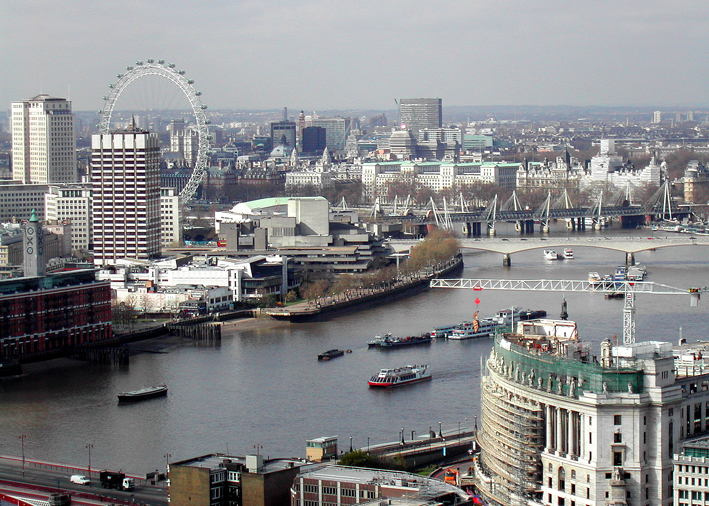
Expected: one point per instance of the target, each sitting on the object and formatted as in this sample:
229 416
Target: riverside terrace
628 245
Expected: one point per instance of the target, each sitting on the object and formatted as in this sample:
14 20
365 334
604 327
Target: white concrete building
72 203
691 476
43 141
561 426
435 175
170 217
125 171
610 168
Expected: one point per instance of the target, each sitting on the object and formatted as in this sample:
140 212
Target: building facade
43 316
420 113
72 203
435 175
43 141
223 480
125 172
17 201
335 132
283 133
328 485
170 217
560 426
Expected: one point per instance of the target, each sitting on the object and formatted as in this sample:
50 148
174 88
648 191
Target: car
79 479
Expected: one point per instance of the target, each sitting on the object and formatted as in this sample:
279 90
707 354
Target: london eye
158 71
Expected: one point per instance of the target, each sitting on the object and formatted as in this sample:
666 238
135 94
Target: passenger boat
594 278
550 254
486 326
331 354
477 328
568 254
400 376
442 332
389 341
143 393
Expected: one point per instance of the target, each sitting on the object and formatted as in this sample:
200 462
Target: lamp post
402 435
350 443
367 444
412 435
22 442
89 446
458 430
440 430
167 462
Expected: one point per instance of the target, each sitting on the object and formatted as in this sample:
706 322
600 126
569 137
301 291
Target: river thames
265 387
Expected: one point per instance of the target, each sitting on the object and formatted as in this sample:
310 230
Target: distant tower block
321 448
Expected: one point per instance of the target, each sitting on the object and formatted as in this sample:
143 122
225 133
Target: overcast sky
362 54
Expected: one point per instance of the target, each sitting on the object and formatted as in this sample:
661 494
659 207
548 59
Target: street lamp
350 443
440 431
367 444
89 446
412 435
458 430
167 462
22 442
402 435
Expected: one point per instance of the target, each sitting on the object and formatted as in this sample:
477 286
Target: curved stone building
561 426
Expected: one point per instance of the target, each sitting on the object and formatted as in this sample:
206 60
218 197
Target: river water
265 387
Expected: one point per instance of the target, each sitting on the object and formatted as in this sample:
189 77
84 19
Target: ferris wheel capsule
161 62
150 60
190 81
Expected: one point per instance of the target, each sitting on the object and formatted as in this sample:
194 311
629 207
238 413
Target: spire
325 160
33 217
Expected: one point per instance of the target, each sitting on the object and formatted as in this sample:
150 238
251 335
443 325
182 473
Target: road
57 479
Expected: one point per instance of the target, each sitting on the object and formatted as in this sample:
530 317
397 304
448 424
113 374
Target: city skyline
364 55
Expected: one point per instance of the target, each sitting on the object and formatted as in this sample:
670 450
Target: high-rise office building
419 113
314 139
125 172
283 132
43 141
335 132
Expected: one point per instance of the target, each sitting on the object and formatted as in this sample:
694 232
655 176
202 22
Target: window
617 437
617 458
617 419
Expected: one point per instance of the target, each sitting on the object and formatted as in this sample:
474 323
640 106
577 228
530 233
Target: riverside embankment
363 298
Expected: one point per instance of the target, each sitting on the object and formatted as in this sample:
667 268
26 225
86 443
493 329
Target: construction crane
628 288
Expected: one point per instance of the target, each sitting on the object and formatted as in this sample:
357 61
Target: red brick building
44 316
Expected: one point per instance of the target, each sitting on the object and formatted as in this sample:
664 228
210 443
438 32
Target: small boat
143 393
568 254
636 273
331 354
550 254
400 376
594 278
